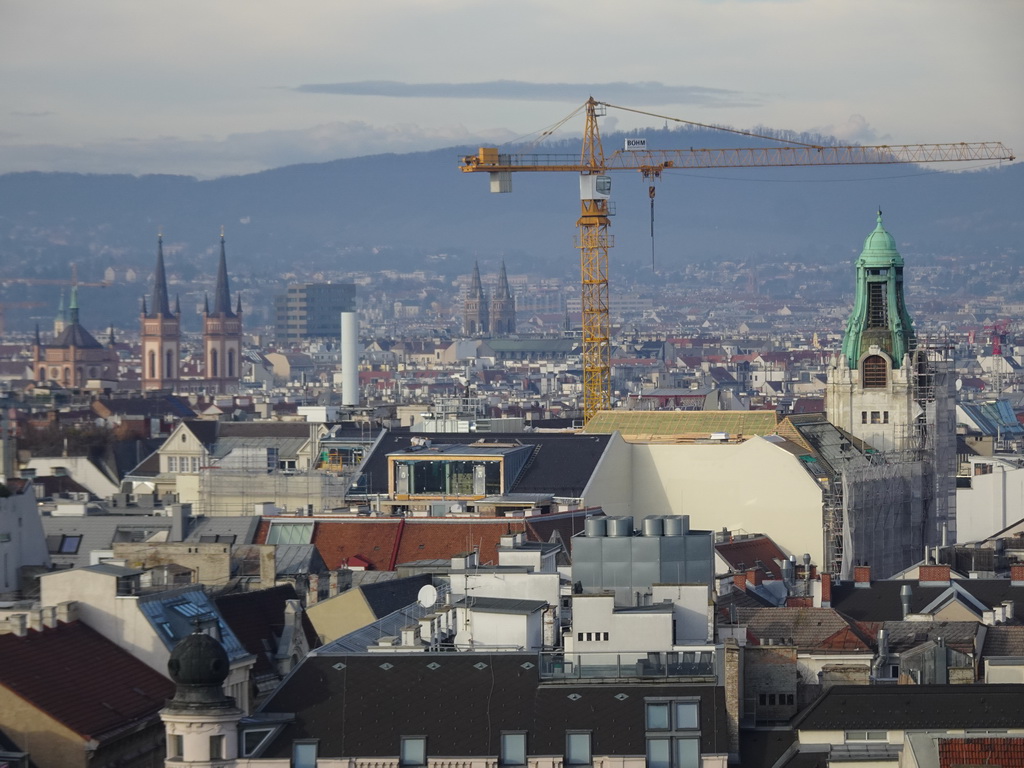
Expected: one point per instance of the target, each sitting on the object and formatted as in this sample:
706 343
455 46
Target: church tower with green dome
870 391
880 317
895 394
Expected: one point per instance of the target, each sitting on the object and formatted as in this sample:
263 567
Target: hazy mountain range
419 210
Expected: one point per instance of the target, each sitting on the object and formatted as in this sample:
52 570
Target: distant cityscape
363 518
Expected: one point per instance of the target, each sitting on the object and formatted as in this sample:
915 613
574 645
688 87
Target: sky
212 88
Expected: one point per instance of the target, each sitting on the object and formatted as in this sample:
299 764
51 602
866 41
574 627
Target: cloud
855 130
647 93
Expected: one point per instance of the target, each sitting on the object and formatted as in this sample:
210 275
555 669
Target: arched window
874 372
169 364
231 363
152 364
214 364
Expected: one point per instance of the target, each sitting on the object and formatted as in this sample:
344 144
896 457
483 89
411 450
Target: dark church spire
161 306
503 291
221 294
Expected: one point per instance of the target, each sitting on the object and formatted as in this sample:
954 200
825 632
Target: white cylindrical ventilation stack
349 359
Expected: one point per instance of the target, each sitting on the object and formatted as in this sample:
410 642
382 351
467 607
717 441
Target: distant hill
393 211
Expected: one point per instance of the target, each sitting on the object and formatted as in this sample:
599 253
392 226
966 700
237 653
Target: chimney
428 630
733 702
754 576
862 576
739 581
293 614
67 611
826 590
905 593
49 616
1017 575
332 584
18 623
313 589
933 575
1008 609
411 635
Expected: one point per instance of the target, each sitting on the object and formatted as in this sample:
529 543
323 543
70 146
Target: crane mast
594 242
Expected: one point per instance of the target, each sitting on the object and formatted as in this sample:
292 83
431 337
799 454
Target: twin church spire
161 334
494 315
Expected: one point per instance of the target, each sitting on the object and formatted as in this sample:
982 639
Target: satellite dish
427 596
959 384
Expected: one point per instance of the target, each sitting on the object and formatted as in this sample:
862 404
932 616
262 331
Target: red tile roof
81 679
428 539
748 551
1005 752
371 542
846 639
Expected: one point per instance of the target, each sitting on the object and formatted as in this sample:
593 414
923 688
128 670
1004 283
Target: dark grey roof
385 597
1006 641
204 430
503 605
75 335
361 705
173 614
238 529
900 707
98 532
904 635
114 570
762 749
562 464
881 601
835 450
806 627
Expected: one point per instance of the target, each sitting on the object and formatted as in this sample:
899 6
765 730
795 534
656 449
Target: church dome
198 660
880 247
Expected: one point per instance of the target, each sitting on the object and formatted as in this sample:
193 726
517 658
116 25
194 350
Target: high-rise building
222 334
161 333
312 310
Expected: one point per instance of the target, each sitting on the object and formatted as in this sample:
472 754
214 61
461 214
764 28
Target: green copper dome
880 247
879 316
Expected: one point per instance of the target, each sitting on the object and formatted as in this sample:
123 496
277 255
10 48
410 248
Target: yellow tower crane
593 240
